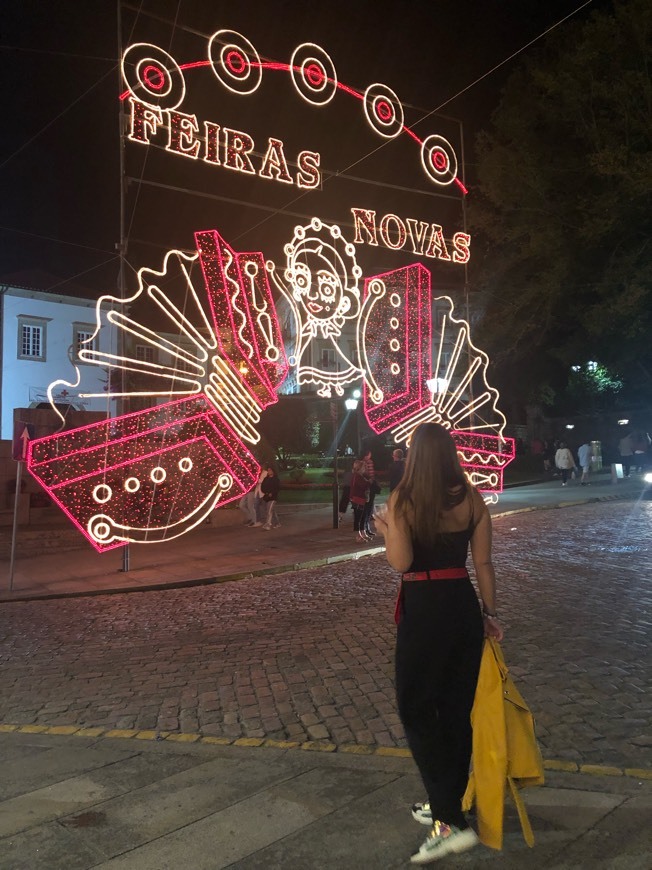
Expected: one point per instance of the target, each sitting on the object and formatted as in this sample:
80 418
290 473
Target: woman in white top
564 462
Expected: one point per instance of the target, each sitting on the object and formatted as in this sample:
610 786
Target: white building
40 334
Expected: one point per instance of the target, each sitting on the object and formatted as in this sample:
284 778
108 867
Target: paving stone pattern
308 655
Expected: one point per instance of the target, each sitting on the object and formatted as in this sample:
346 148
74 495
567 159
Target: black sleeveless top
449 549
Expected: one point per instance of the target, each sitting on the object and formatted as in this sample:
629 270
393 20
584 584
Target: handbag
375 488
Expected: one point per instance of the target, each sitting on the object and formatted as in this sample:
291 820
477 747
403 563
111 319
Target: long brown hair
433 481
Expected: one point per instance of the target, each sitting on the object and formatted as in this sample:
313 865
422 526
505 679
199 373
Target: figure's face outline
318 287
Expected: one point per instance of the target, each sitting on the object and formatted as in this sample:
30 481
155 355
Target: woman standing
564 462
432 516
270 487
358 495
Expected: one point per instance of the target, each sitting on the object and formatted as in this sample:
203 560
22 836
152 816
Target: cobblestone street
308 655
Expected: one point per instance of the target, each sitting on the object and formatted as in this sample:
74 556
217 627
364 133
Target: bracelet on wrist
488 615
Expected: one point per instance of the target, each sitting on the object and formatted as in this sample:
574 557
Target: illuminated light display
313 74
152 475
392 231
153 76
244 316
323 275
144 477
235 62
221 146
396 339
183 135
238 67
401 390
439 160
383 111
202 335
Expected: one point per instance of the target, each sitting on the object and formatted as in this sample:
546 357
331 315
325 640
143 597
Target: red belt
438 574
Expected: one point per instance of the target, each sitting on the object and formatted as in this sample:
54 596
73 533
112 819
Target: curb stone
558 765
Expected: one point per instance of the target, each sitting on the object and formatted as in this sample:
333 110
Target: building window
145 353
328 358
31 338
81 335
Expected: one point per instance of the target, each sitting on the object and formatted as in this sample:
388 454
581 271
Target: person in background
564 462
640 447
548 455
247 505
359 494
374 489
269 488
432 517
626 453
584 458
345 496
258 500
396 469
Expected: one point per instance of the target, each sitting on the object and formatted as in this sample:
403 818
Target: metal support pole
19 474
336 444
123 241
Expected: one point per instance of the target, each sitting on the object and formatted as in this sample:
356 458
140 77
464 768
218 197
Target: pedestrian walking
359 496
431 518
270 487
564 462
626 451
258 500
374 490
345 496
584 458
247 505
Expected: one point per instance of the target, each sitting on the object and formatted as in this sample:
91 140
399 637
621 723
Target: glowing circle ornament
383 111
439 160
313 74
153 76
235 61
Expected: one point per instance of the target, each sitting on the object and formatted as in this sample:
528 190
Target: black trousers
438 652
358 516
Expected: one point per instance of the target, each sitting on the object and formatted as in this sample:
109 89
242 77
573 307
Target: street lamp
350 404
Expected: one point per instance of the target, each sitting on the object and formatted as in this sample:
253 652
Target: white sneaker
267 527
444 840
421 813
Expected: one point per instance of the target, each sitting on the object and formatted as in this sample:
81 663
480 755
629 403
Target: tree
563 208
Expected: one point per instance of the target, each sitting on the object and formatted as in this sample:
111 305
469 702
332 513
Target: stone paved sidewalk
308 655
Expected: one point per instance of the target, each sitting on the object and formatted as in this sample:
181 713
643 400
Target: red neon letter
182 135
461 243
211 143
417 235
144 122
237 148
364 219
384 231
274 165
437 247
308 175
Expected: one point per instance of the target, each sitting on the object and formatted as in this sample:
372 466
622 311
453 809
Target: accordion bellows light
153 475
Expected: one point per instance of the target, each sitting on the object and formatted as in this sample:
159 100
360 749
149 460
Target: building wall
24 382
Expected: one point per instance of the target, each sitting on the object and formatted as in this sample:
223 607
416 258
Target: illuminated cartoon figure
323 295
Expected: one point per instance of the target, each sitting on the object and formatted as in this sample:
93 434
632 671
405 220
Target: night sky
59 148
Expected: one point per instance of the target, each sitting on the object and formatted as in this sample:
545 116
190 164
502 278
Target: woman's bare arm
484 569
398 540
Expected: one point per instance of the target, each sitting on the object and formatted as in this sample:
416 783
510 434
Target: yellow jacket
505 750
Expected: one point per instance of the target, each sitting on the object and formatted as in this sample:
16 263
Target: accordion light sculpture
418 372
154 474
200 349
